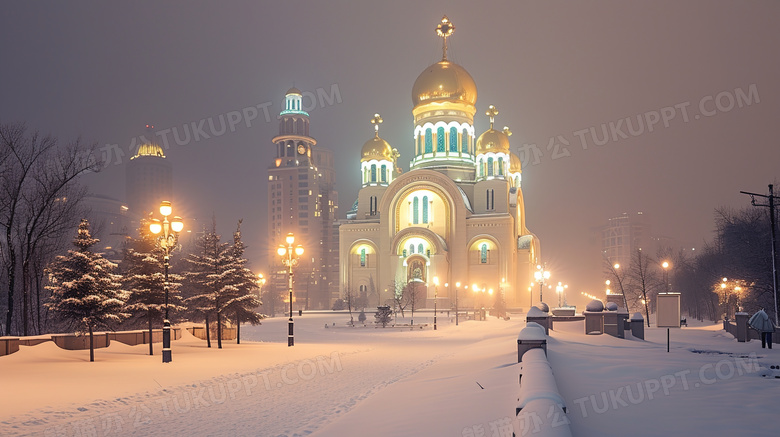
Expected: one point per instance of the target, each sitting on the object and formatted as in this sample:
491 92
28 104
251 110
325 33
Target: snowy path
293 392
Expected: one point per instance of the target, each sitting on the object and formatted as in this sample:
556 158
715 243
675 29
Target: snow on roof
466 201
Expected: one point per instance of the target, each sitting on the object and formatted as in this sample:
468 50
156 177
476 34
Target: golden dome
149 149
515 164
379 149
492 141
444 81
293 90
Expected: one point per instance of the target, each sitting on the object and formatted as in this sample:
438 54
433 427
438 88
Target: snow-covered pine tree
85 289
143 277
242 302
200 296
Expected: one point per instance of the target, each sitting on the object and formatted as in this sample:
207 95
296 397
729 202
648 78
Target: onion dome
377 148
293 90
149 149
492 140
444 81
515 164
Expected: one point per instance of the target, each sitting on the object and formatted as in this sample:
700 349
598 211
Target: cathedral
453 225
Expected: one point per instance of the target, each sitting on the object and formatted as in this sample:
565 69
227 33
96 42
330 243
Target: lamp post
561 289
541 274
168 232
261 282
457 286
665 266
723 286
290 257
435 296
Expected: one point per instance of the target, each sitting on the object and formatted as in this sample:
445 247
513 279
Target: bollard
742 326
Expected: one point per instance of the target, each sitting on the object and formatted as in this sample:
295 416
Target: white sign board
668 306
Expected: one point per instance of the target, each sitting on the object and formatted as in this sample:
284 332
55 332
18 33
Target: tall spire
491 112
376 121
445 29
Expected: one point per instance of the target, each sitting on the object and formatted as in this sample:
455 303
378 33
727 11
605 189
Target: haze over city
103 71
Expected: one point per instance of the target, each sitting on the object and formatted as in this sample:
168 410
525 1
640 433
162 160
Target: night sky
554 69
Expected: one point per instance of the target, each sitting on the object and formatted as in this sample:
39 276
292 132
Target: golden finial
491 112
507 132
445 29
376 121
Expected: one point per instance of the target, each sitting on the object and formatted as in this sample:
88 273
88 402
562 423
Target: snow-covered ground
457 381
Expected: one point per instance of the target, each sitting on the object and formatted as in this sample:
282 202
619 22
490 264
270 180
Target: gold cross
376 121
445 29
492 112
507 132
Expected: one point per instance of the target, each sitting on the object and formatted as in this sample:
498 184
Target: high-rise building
148 180
622 236
302 200
110 223
457 217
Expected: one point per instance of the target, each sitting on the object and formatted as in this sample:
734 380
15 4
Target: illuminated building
457 214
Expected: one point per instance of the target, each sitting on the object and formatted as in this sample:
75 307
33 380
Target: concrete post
742 326
638 326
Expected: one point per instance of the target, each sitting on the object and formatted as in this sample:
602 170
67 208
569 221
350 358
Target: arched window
372 205
481 168
373 172
440 139
419 144
384 173
428 140
420 248
404 253
464 141
489 195
415 212
363 257
483 251
425 209
490 166
453 139
500 165
411 248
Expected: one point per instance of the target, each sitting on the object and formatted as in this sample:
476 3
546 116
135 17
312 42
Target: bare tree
399 301
39 203
413 294
617 274
643 279
350 298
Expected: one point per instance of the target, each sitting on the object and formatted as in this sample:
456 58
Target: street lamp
457 286
541 274
435 296
290 257
560 289
168 237
665 266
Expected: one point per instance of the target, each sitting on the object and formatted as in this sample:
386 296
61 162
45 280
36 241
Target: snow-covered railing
540 410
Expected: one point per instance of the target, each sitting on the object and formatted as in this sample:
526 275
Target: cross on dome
445 29
507 132
376 121
491 112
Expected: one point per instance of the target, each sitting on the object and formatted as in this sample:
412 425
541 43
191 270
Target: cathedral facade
453 226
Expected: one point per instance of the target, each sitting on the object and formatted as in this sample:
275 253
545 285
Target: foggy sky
552 68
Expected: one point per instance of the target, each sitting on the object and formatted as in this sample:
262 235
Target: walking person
761 323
